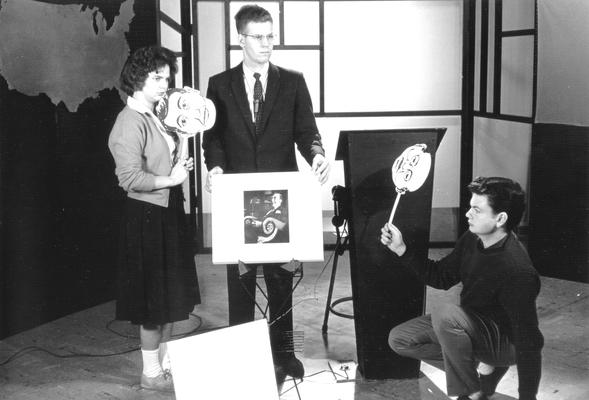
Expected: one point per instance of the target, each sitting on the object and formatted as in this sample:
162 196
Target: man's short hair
251 13
503 195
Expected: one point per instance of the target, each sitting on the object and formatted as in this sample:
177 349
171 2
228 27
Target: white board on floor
229 363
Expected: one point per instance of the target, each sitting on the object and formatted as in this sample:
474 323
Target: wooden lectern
384 292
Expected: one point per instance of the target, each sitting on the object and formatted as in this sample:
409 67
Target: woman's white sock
164 356
151 363
485 369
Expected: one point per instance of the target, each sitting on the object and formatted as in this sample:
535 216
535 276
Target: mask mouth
161 108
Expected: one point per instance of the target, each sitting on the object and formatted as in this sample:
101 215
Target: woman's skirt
157 281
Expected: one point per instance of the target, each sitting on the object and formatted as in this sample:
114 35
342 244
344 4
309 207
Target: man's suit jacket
287 119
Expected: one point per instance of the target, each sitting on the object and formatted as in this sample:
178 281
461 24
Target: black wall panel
559 201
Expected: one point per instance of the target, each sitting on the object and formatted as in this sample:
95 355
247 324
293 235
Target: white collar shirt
249 82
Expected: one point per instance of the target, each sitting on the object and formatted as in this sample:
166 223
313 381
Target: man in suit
279 216
262 111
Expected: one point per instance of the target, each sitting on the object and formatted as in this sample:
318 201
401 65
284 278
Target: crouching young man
496 324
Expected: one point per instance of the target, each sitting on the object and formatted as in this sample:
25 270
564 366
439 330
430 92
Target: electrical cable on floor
315 295
30 349
309 376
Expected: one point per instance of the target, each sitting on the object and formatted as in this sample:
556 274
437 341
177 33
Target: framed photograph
266 218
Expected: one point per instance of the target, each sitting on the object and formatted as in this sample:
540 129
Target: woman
157 282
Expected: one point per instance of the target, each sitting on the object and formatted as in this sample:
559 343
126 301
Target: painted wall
563 48
60 199
404 87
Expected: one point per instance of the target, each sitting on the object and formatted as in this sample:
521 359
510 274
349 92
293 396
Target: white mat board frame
229 206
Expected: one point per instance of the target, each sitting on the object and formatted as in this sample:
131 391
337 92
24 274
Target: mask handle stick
182 150
399 194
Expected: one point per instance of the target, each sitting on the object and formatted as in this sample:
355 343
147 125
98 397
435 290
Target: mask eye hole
407 175
182 121
398 165
414 160
183 103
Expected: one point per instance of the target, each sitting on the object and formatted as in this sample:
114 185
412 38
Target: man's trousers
242 291
459 338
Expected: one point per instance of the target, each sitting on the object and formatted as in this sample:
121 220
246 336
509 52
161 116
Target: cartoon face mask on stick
410 171
186 111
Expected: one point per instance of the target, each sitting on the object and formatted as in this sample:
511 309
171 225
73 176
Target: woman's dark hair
143 61
251 13
503 195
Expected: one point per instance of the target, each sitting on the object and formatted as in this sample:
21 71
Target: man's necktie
258 102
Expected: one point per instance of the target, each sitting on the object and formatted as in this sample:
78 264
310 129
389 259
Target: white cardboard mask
186 111
410 170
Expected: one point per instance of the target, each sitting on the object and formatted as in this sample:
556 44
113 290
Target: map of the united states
70 52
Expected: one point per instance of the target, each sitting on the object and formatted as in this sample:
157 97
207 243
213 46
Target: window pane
501 148
301 22
518 14
393 56
178 80
171 9
211 41
517 75
305 61
235 57
170 38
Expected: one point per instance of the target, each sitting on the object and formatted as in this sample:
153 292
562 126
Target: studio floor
48 362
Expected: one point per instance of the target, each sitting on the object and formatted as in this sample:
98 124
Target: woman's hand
189 164
392 237
179 172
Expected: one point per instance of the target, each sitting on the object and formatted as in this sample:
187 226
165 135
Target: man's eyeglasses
269 37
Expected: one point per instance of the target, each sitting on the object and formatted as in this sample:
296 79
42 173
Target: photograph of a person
265 216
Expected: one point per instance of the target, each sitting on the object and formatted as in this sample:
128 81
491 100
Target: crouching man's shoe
474 396
489 382
160 383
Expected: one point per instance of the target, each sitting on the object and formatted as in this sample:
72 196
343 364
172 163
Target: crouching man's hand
392 238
